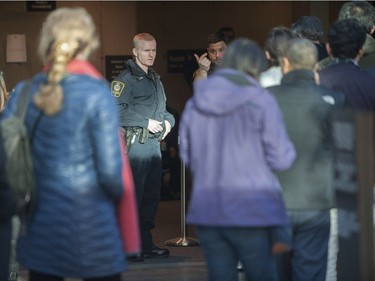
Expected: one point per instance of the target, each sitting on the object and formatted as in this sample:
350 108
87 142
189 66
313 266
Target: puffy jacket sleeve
106 142
279 150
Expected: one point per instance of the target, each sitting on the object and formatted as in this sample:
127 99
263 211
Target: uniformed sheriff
145 122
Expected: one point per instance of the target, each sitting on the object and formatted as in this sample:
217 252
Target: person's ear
372 30
268 56
329 49
316 73
135 52
361 52
285 65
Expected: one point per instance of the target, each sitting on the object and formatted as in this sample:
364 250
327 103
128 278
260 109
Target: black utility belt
141 133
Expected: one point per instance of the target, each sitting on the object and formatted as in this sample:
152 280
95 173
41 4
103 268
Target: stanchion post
184 240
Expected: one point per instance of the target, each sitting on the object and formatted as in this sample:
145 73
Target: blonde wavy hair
67 33
4 95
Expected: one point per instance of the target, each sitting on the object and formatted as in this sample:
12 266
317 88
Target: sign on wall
40 6
180 60
114 65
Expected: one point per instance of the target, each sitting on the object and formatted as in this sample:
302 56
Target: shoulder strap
22 107
22 103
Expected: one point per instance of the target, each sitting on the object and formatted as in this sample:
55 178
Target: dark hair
309 27
276 42
362 11
215 38
346 38
228 33
244 55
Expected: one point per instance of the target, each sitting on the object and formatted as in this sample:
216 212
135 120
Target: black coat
357 85
140 97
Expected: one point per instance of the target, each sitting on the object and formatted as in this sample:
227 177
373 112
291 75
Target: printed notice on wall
180 61
40 6
114 65
16 48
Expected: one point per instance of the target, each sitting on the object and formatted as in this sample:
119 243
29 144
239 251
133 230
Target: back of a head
362 11
73 26
276 42
301 53
309 27
244 55
67 33
228 33
346 38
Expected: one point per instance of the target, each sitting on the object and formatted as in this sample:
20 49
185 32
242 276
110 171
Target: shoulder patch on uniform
116 88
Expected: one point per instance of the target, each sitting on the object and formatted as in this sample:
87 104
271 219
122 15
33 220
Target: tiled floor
185 263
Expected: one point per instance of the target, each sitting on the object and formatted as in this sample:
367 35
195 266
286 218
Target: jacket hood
225 91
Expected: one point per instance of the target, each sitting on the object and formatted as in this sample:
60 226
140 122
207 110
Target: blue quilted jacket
73 231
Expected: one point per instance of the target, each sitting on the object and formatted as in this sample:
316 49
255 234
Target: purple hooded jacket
232 138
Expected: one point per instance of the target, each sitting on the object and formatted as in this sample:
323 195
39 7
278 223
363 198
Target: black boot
136 258
155 252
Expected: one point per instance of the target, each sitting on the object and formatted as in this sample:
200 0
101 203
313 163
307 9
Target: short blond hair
142 37
301 53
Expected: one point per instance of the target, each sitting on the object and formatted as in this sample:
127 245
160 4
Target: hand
154 126
203 62
167 128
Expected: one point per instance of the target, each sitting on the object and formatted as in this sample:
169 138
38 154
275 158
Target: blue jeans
308 259
223 247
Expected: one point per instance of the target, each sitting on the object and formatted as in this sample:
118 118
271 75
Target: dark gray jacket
306 109
140 97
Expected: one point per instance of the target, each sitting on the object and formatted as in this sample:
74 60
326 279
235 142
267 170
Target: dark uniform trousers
5 244
146 164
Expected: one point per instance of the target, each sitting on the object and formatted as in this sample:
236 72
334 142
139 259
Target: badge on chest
116 88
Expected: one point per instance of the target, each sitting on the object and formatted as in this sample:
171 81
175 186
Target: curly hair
346 38
309 27
362 11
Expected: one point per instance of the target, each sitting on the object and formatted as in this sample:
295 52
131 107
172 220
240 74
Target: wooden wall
175 24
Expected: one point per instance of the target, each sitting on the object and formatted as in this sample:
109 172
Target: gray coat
306 109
